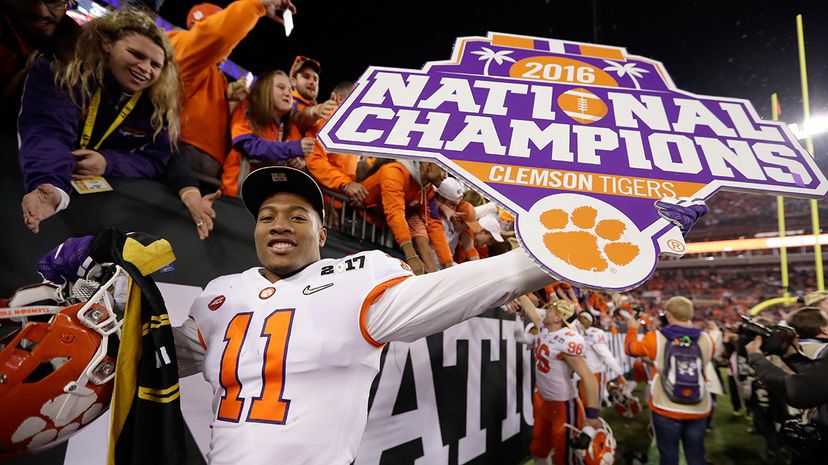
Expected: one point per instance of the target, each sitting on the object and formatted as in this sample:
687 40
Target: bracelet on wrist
592 413
188 191
411 257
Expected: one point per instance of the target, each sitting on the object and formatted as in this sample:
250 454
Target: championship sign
578 141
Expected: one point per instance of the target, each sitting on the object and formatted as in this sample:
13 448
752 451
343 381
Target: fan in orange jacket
336 171
261 131
397 187
213 34
649 348
307 115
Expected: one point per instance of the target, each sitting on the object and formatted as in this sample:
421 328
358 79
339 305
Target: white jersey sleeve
599 358
609 360
523 333
430 303
189 348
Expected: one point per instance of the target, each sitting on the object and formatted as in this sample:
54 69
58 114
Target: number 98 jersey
554 375
291 363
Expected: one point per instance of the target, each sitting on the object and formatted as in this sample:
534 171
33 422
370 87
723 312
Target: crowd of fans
734 215
723 293
121 98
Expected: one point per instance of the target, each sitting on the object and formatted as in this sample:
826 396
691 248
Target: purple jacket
50 126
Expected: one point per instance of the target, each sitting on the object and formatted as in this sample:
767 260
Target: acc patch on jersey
216 303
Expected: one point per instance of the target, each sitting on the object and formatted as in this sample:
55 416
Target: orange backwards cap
201 11
301 62
469 216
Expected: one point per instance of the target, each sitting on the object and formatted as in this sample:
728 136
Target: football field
729 442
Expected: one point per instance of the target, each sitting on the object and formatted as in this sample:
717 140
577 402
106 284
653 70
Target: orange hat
301 62
201 11
470 216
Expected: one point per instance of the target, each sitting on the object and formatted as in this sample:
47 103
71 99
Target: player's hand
273 8
307 145
38 205
683 213
324 109
417 265
356 192
201 209
593 422
88 164
568 293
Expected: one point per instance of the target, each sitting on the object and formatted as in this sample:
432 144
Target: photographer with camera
812 327
678 398
806 388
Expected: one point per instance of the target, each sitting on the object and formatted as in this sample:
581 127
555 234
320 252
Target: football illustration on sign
578 141
582 105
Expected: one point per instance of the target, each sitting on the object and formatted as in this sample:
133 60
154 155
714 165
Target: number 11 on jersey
269 407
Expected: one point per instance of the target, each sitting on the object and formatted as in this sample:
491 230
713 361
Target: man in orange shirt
678 396
397 188
307 114
337 171
213 33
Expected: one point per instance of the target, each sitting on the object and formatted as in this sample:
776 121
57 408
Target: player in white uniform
599 359
559 352
291 348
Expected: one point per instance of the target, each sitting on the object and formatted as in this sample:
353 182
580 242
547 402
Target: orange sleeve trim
371 299
200 336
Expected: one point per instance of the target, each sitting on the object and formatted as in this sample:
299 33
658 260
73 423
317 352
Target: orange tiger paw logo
581 248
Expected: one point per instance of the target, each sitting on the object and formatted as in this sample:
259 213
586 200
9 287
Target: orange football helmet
625 404
601 449
56 366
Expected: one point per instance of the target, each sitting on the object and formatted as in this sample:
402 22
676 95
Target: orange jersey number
573 348
270 407
542 356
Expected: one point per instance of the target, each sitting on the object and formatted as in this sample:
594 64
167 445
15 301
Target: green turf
728 444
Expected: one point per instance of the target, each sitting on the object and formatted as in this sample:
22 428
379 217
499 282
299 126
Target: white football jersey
554 375
592 336
290 362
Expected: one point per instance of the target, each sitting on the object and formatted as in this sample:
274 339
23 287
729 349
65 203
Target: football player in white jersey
598 356
559 352
291 347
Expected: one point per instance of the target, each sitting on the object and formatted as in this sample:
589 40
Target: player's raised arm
593 405
606 356
427 304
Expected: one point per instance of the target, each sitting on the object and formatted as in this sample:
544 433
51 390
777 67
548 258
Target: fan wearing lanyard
85 183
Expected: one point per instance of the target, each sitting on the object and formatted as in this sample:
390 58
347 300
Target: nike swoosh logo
310 290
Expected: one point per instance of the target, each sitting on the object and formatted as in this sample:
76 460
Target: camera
802 439
775 340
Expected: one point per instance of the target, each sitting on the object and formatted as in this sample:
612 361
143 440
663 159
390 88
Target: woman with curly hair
109 109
